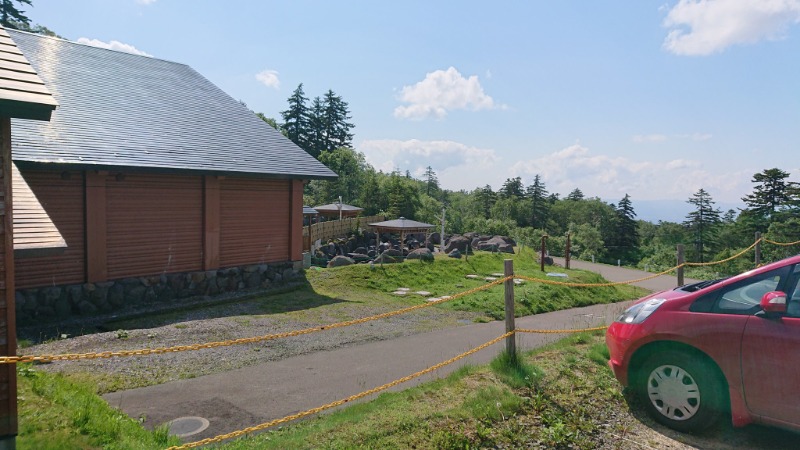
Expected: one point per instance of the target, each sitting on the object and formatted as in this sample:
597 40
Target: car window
793 292
744 297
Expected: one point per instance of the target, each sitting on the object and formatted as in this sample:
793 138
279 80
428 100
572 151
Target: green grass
60 413
559 396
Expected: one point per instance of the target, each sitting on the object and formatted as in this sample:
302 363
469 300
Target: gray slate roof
402 224
121 111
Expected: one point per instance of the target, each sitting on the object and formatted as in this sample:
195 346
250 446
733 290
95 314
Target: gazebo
338 210
403 226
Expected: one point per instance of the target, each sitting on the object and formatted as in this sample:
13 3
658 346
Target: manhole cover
187 426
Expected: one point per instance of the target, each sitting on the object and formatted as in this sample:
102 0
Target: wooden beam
211 221
8 326
96 228
296 221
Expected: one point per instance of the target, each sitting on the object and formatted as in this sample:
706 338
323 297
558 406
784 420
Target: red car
699 351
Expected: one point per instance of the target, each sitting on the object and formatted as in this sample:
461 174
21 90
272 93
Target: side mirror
774 302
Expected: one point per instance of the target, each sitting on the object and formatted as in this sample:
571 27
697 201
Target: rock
388 257
455 254
548 260
86 308
339 261
459 243
62 308
421 253
116 295
435 238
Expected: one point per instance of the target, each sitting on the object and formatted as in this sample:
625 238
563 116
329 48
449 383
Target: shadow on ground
721 436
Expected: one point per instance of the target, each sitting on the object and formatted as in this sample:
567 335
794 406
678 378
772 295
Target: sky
648 98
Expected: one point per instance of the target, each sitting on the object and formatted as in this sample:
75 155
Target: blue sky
652 99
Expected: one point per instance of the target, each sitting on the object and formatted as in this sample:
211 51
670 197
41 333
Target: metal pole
511 341
758 248
566 253
680 265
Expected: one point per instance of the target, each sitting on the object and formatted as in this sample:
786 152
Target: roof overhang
23 95
35 234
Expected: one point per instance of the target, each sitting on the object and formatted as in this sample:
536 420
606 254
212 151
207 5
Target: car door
771 360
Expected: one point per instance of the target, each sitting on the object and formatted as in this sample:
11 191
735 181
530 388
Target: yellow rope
615 283
726 259
319 409
783 244
578 330
228 343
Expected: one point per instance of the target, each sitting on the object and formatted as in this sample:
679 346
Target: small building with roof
157 183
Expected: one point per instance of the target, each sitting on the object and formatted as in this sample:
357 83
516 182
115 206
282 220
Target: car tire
681 391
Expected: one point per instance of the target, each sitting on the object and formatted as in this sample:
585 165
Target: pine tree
539 203
576 195
316 128
11 17
335 117
770 195
431 182
512 188
702 221
485 198
626 233
296 120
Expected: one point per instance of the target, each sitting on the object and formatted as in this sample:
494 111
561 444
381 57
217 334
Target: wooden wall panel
154 225
62 196
254 222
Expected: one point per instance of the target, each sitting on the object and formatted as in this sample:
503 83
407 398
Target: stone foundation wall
53 303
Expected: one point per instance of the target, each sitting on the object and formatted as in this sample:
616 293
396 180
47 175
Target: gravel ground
197 327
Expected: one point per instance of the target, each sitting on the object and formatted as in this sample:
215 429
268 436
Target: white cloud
440 92
269 78
113 45
389 154
145 2
648 138
612 177
702 27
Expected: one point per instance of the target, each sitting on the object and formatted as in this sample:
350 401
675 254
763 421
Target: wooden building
148 170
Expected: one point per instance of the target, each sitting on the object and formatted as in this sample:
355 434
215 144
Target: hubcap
673 392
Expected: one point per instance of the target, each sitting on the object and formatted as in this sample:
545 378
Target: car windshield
699 285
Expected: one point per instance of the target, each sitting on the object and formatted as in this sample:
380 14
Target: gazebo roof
332 209
307 210
402 224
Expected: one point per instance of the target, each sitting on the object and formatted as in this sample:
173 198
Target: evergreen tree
537 193
702 221
770 195
11 17
431 182
372 199
485 198
296 120
316 128
626 233
576 195
336 128
512 188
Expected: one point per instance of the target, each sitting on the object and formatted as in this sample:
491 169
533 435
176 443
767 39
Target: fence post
511 341
758 248
544 249
566 253
680 265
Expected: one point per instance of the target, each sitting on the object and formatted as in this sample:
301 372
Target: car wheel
681 391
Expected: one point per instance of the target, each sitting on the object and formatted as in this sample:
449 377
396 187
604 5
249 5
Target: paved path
257 394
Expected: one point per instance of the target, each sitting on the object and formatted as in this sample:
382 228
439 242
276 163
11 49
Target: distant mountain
672 210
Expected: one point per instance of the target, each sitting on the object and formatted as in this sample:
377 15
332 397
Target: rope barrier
574 330
615 283
231 342
782 244
726 259
319 409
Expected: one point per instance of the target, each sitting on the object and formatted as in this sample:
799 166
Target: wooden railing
336 228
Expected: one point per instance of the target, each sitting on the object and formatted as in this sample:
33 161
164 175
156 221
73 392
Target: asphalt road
257 394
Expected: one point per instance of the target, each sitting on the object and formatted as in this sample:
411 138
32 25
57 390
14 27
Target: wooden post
758 248
544 249
566 253
680 265
511 341
8 325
